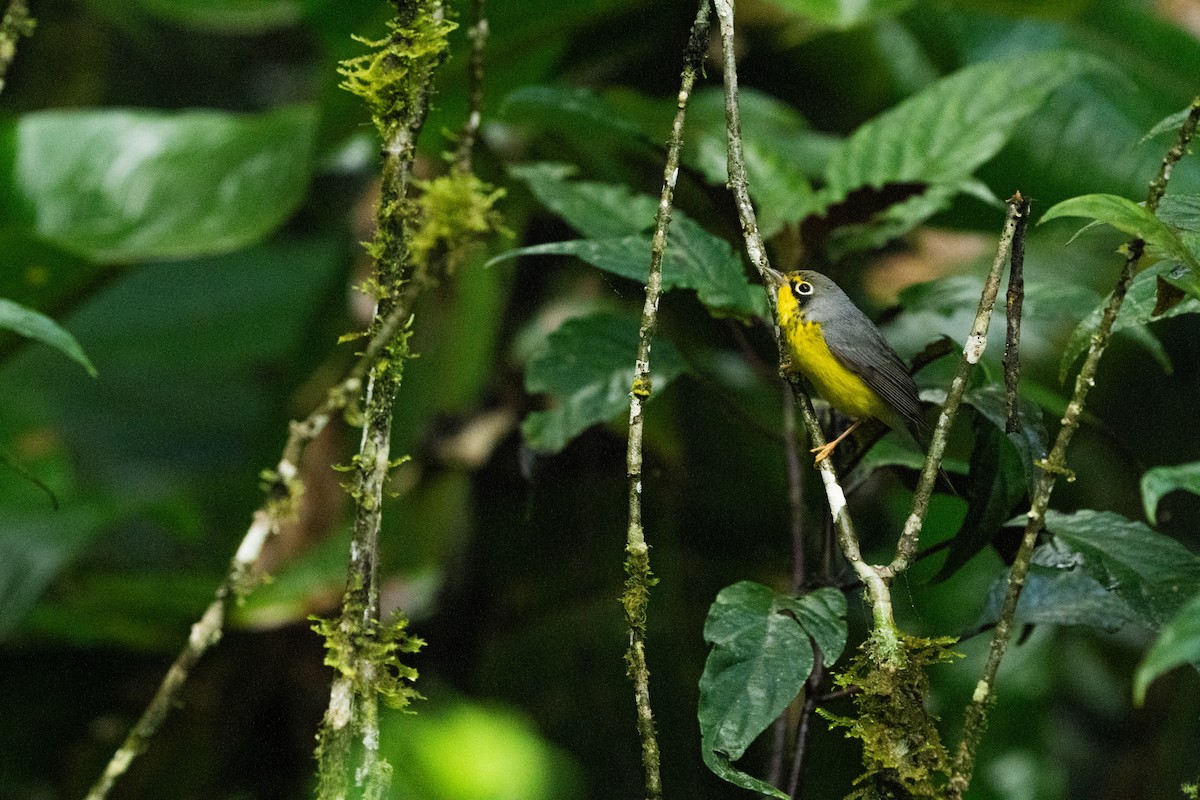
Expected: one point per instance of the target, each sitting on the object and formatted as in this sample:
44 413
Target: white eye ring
802 289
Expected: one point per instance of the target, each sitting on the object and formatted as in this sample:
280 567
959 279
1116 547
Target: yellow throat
812 357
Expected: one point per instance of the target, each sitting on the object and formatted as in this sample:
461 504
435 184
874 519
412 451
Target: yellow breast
844 390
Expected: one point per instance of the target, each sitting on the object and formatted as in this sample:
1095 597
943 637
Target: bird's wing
861 348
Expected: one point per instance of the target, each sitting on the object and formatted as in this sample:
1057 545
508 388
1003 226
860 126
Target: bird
843 355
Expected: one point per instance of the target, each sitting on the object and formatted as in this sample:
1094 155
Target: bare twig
800 753
1012 339
637 564
284 485
477 33
972 352
15 23
1055 465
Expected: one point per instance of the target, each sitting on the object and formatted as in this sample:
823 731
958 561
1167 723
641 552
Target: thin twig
637 564
15 24
885 628
477 33
1055 465
1014 301
799 562
972 352
239 580
800 754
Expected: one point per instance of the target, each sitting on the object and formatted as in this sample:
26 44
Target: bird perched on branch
843 355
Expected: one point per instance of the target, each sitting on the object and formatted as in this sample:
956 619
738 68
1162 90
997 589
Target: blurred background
211 325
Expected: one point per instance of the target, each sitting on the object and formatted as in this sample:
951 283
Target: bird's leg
824 452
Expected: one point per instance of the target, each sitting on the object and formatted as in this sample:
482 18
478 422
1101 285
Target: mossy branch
394 80
637 564
1056 464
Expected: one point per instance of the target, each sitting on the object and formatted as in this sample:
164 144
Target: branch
1018 209
1014 301
637 563
395 82
1055 465
15 24
477 33
884 630
283 490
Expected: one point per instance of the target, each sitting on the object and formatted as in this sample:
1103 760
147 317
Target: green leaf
572 109
694 259
1151 572
1030 443
760 659
843 14
119 186
1161 481
597 210
587 365
35 325
943 134
1059 590
1127 216
1171 122
1179 643
1138 309
1180 211
997 483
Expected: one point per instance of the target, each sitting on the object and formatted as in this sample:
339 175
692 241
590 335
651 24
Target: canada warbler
844 355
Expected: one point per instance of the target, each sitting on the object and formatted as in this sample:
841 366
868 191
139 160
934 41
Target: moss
370 658
903 754
456 212
391 78
637 587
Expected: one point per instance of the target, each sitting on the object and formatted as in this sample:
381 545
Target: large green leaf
1138 309
1179 643
761 657
1030 443
121 186
694 258
597 210
996 484
1161 481
1151 572
38 326
943 134
587 366
1127 216
1059 590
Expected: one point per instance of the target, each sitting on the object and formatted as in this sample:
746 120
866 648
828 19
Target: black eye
802 290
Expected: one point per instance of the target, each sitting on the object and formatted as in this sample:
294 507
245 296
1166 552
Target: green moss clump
903 754
637 587
416 41
455 212
370 657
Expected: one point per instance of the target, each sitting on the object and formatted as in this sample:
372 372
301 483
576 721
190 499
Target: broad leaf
1171 122
1161 481
1151 572
1138 309
694 259
996 484
1059 590
1030 443
1179 643
587 365
1180 211
1127 216
940 136
761 657
572 109
38 326
119 186
597 210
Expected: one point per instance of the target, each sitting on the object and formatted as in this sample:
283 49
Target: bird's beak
774 277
